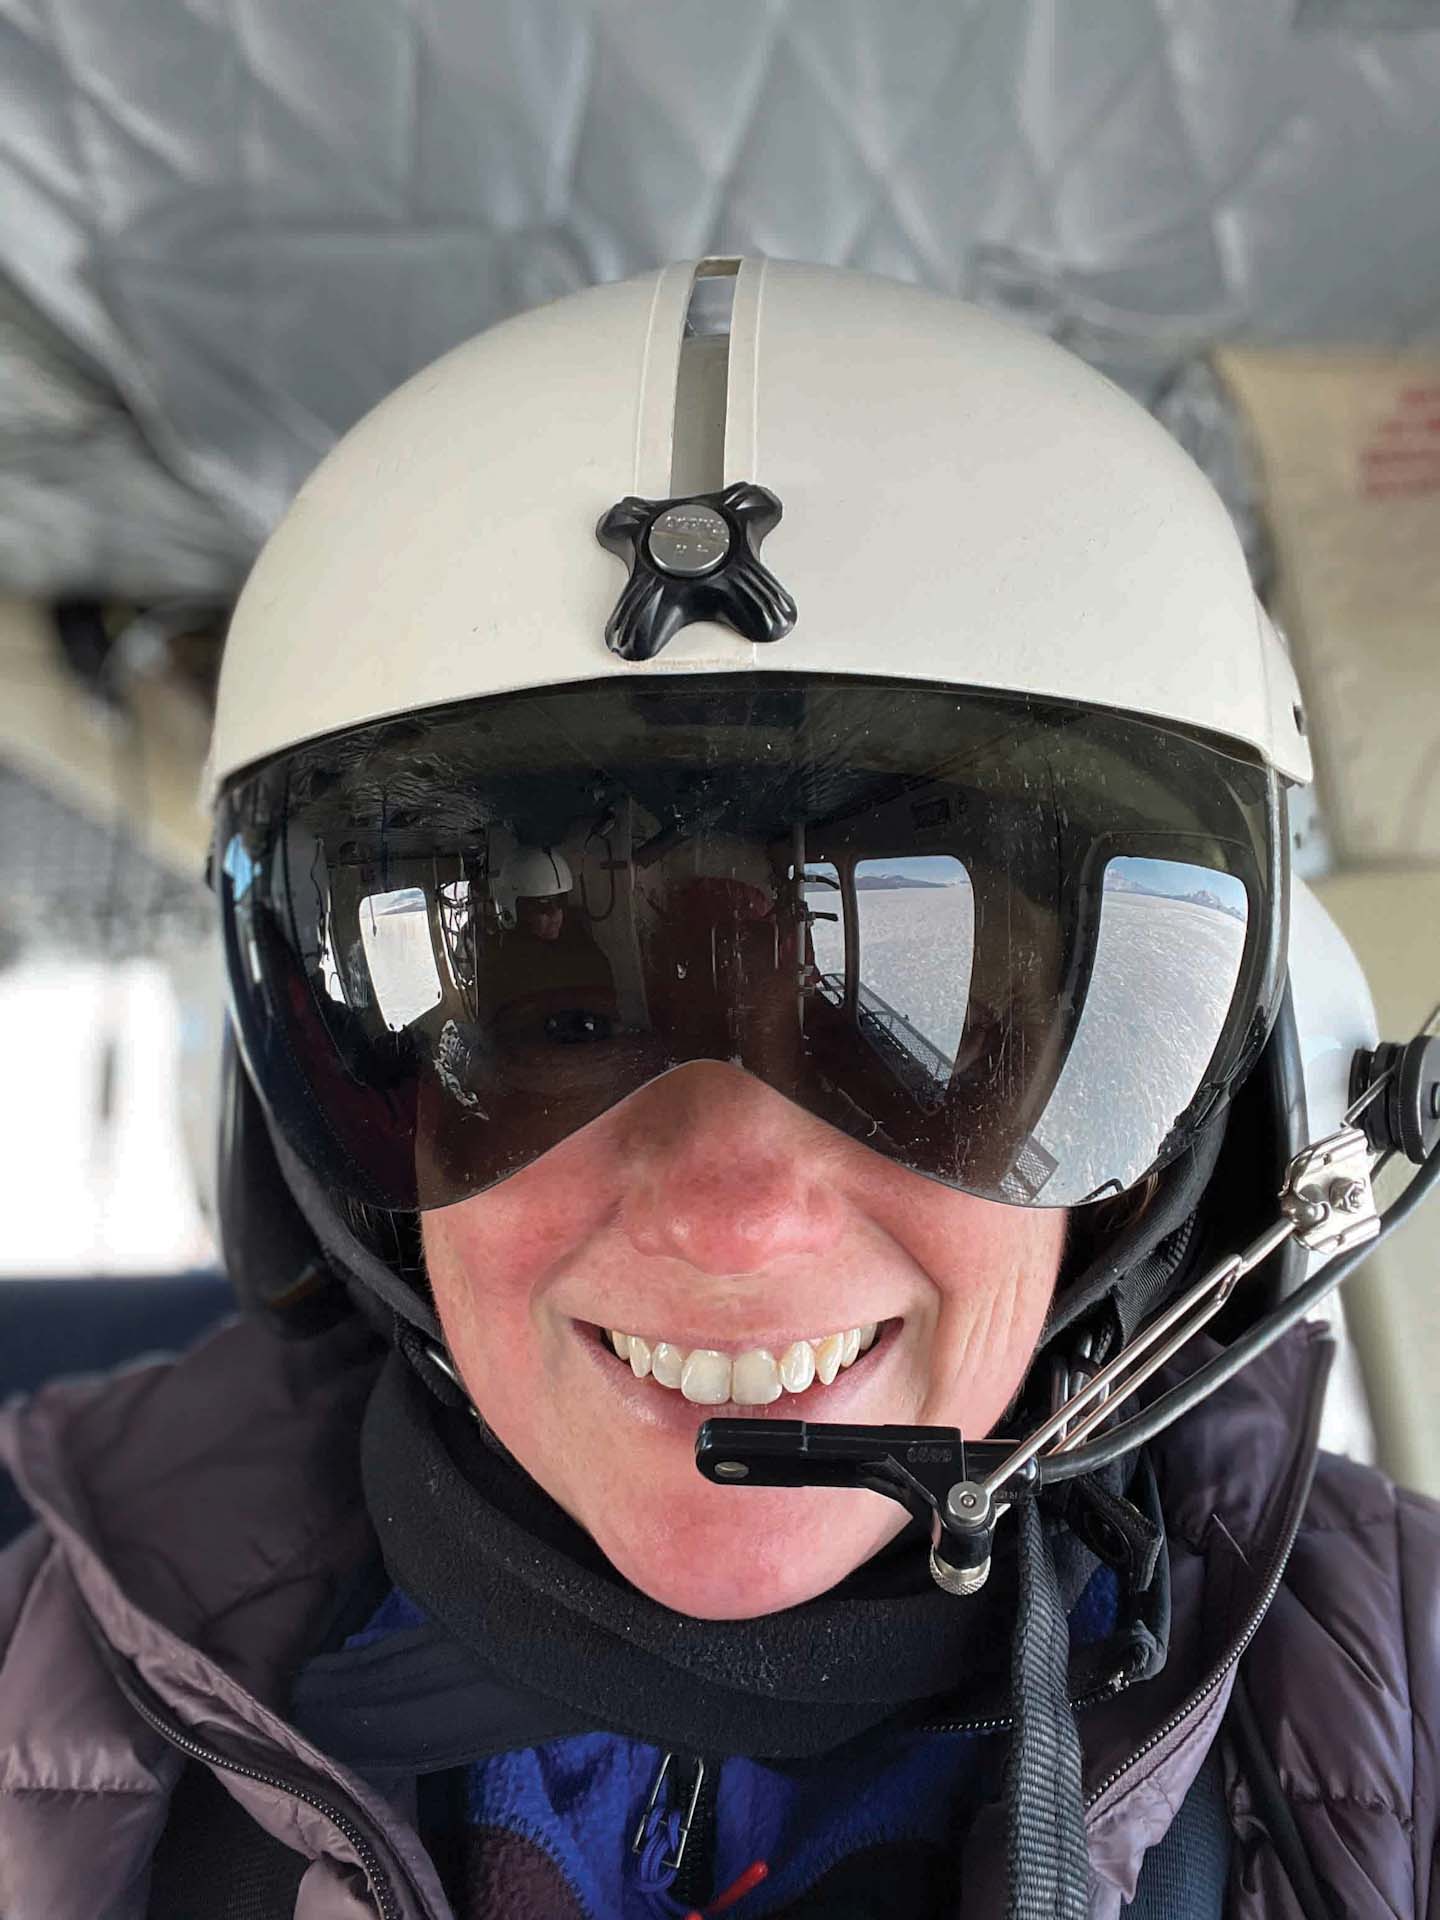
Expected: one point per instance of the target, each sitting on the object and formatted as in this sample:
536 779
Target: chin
753 1552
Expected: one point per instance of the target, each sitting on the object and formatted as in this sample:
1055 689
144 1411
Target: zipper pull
659 1845
663 1831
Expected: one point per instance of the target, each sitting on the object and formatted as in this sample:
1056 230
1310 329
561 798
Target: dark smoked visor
1018 946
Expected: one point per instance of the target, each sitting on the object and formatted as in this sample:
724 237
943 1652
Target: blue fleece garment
581 1797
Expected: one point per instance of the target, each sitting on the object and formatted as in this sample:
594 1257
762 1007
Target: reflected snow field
1163 979
916 948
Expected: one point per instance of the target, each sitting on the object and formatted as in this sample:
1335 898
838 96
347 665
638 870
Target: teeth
754 1378
705 1377
828 1355
667 1363
797 1366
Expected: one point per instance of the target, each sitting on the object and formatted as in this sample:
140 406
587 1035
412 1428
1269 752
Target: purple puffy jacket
197 1516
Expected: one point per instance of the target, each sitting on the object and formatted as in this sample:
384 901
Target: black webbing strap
214 1862
1258 1769
1049 1865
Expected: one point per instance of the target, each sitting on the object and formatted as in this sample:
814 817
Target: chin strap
1047 1855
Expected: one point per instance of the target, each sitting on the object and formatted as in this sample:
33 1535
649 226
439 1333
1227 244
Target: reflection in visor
915 955
395 941
1168 953
1014 946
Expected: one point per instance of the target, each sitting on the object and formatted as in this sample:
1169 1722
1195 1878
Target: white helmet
529 873
925 756
862 612
964 502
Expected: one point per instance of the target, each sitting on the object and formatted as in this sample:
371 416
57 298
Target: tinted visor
1014 945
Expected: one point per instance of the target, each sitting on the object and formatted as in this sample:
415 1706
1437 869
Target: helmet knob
1405 1116
690 560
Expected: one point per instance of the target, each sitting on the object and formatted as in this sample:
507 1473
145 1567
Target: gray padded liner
244 220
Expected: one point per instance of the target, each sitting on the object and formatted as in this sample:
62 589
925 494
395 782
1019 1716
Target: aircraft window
395 933
916 916
825 917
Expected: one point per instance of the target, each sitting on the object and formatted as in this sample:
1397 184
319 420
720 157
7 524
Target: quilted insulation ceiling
228 226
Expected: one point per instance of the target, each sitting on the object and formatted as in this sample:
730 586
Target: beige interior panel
1391 917
1348 444
59 735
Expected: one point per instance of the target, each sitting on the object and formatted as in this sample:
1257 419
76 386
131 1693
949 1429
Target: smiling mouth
710 1377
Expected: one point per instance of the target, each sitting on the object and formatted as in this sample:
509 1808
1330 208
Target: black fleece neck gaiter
475 1543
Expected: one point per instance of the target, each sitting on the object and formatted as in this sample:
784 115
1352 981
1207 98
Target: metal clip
642 1832
1067 1376
1328 1194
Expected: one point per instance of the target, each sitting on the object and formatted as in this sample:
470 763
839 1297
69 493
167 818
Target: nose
724 1174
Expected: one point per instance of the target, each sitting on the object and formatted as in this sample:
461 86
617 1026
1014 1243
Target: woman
836 968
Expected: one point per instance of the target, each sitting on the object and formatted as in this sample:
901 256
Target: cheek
488 1260
486 1286
482 1306
496 1249
991 1301
491 1261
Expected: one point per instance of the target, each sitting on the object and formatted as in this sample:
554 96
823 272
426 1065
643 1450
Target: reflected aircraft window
917 938
331 978
1167 956
395 934
825 919
457 926
239 866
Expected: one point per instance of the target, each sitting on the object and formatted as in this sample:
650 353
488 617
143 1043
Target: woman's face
709 1213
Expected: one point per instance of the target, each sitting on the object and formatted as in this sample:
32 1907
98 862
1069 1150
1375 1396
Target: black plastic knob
694 559
1404 1117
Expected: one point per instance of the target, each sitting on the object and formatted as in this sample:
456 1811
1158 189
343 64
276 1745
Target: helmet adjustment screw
1399 1085
1328 1197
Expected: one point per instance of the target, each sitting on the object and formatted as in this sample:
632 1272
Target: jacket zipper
375 1875
695 1881
1257 1613
1001 1722
1204 1691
